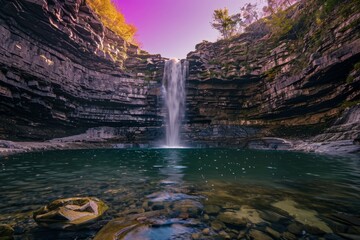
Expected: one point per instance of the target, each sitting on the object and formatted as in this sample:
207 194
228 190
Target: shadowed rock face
287 87
62 72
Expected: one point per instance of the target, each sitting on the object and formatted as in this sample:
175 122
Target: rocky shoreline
342 138
10 148
342 147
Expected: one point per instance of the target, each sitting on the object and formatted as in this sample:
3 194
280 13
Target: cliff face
295 87
62 72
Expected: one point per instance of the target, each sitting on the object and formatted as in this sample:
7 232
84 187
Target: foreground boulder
70 213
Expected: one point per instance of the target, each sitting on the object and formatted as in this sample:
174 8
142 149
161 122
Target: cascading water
175 73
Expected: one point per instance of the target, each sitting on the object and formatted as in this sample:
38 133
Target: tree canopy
274 11
224 23
112 18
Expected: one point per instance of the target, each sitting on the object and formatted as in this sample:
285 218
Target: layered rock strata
62 72
292 88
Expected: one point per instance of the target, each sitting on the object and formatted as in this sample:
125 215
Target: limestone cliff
294 86
62 72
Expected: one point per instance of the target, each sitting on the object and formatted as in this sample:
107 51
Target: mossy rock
6 232
70 213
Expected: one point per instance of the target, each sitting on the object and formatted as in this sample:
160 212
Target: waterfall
175 73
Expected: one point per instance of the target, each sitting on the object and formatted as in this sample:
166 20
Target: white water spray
174 92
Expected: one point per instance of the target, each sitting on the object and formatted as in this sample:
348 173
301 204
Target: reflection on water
189 193
173 175
173 195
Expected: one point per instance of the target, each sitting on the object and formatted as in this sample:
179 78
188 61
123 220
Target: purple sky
173 27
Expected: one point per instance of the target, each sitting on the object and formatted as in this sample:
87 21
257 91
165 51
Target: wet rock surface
70 213
269 219
6 232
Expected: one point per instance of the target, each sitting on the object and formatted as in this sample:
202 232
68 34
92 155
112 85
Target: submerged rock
272 232
258 235
295 228
128 228
288 236
272 216
196 236
117 229
6 232
224 235
347 219
70 213
212 209
206 231
241 217
189 206
304 216
350 236
217 225
232 218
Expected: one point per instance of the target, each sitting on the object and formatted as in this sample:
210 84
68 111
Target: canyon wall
62 72
256 85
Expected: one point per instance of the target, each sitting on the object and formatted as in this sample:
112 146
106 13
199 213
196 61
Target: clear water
126 179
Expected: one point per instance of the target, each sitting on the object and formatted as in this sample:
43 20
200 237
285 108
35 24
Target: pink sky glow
173 27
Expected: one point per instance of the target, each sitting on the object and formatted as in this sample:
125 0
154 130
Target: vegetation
350 78
300 27
271 74
275 12
248 14
279 18
329 5
348 104
357 66
112 18
224 23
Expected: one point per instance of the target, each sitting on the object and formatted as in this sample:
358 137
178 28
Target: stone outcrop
342 137
285 88
62 72
70 213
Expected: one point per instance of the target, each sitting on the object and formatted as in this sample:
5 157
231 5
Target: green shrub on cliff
287 18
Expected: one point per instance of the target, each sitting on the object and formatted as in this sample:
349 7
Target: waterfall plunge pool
188 193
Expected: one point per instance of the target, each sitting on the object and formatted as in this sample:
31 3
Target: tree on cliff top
248 14
112 18
224 23
275 16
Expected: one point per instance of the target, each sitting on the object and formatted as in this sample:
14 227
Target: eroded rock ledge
253 86
62 73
